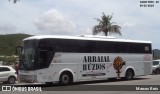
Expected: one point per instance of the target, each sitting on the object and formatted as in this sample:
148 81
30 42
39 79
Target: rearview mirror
19 49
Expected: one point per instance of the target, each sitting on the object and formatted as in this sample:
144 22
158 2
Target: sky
76 17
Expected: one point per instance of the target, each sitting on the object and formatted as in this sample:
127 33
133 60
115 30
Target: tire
65 79
129 74
11 80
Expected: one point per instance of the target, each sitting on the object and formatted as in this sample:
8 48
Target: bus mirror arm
17 48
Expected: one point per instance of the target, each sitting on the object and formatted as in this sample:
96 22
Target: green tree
9 42
106 26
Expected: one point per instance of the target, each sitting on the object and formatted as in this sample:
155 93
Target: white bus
67 59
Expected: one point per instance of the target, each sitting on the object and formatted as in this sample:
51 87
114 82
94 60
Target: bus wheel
65 79
129 74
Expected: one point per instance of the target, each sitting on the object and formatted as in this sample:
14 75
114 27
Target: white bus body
67 59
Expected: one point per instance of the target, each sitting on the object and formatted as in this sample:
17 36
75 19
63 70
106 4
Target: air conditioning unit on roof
95 36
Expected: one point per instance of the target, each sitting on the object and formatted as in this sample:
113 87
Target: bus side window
42 56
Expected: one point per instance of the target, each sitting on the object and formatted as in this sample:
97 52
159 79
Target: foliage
8 43
9 60
156 54
106 26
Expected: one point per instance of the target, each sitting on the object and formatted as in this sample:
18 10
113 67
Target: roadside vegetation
8 44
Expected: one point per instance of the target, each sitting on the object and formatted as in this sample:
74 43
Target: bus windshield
27 55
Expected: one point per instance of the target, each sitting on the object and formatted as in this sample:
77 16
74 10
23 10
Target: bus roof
84 37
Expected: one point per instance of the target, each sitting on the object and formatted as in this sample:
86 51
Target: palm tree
106 26
15 1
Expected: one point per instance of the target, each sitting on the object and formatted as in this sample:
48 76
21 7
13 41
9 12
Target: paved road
94 87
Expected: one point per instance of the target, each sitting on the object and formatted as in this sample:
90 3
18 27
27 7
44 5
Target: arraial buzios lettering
95 62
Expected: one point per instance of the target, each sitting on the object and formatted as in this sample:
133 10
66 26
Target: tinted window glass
89 46
140 48
155 62
103 47
121 47
4 69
